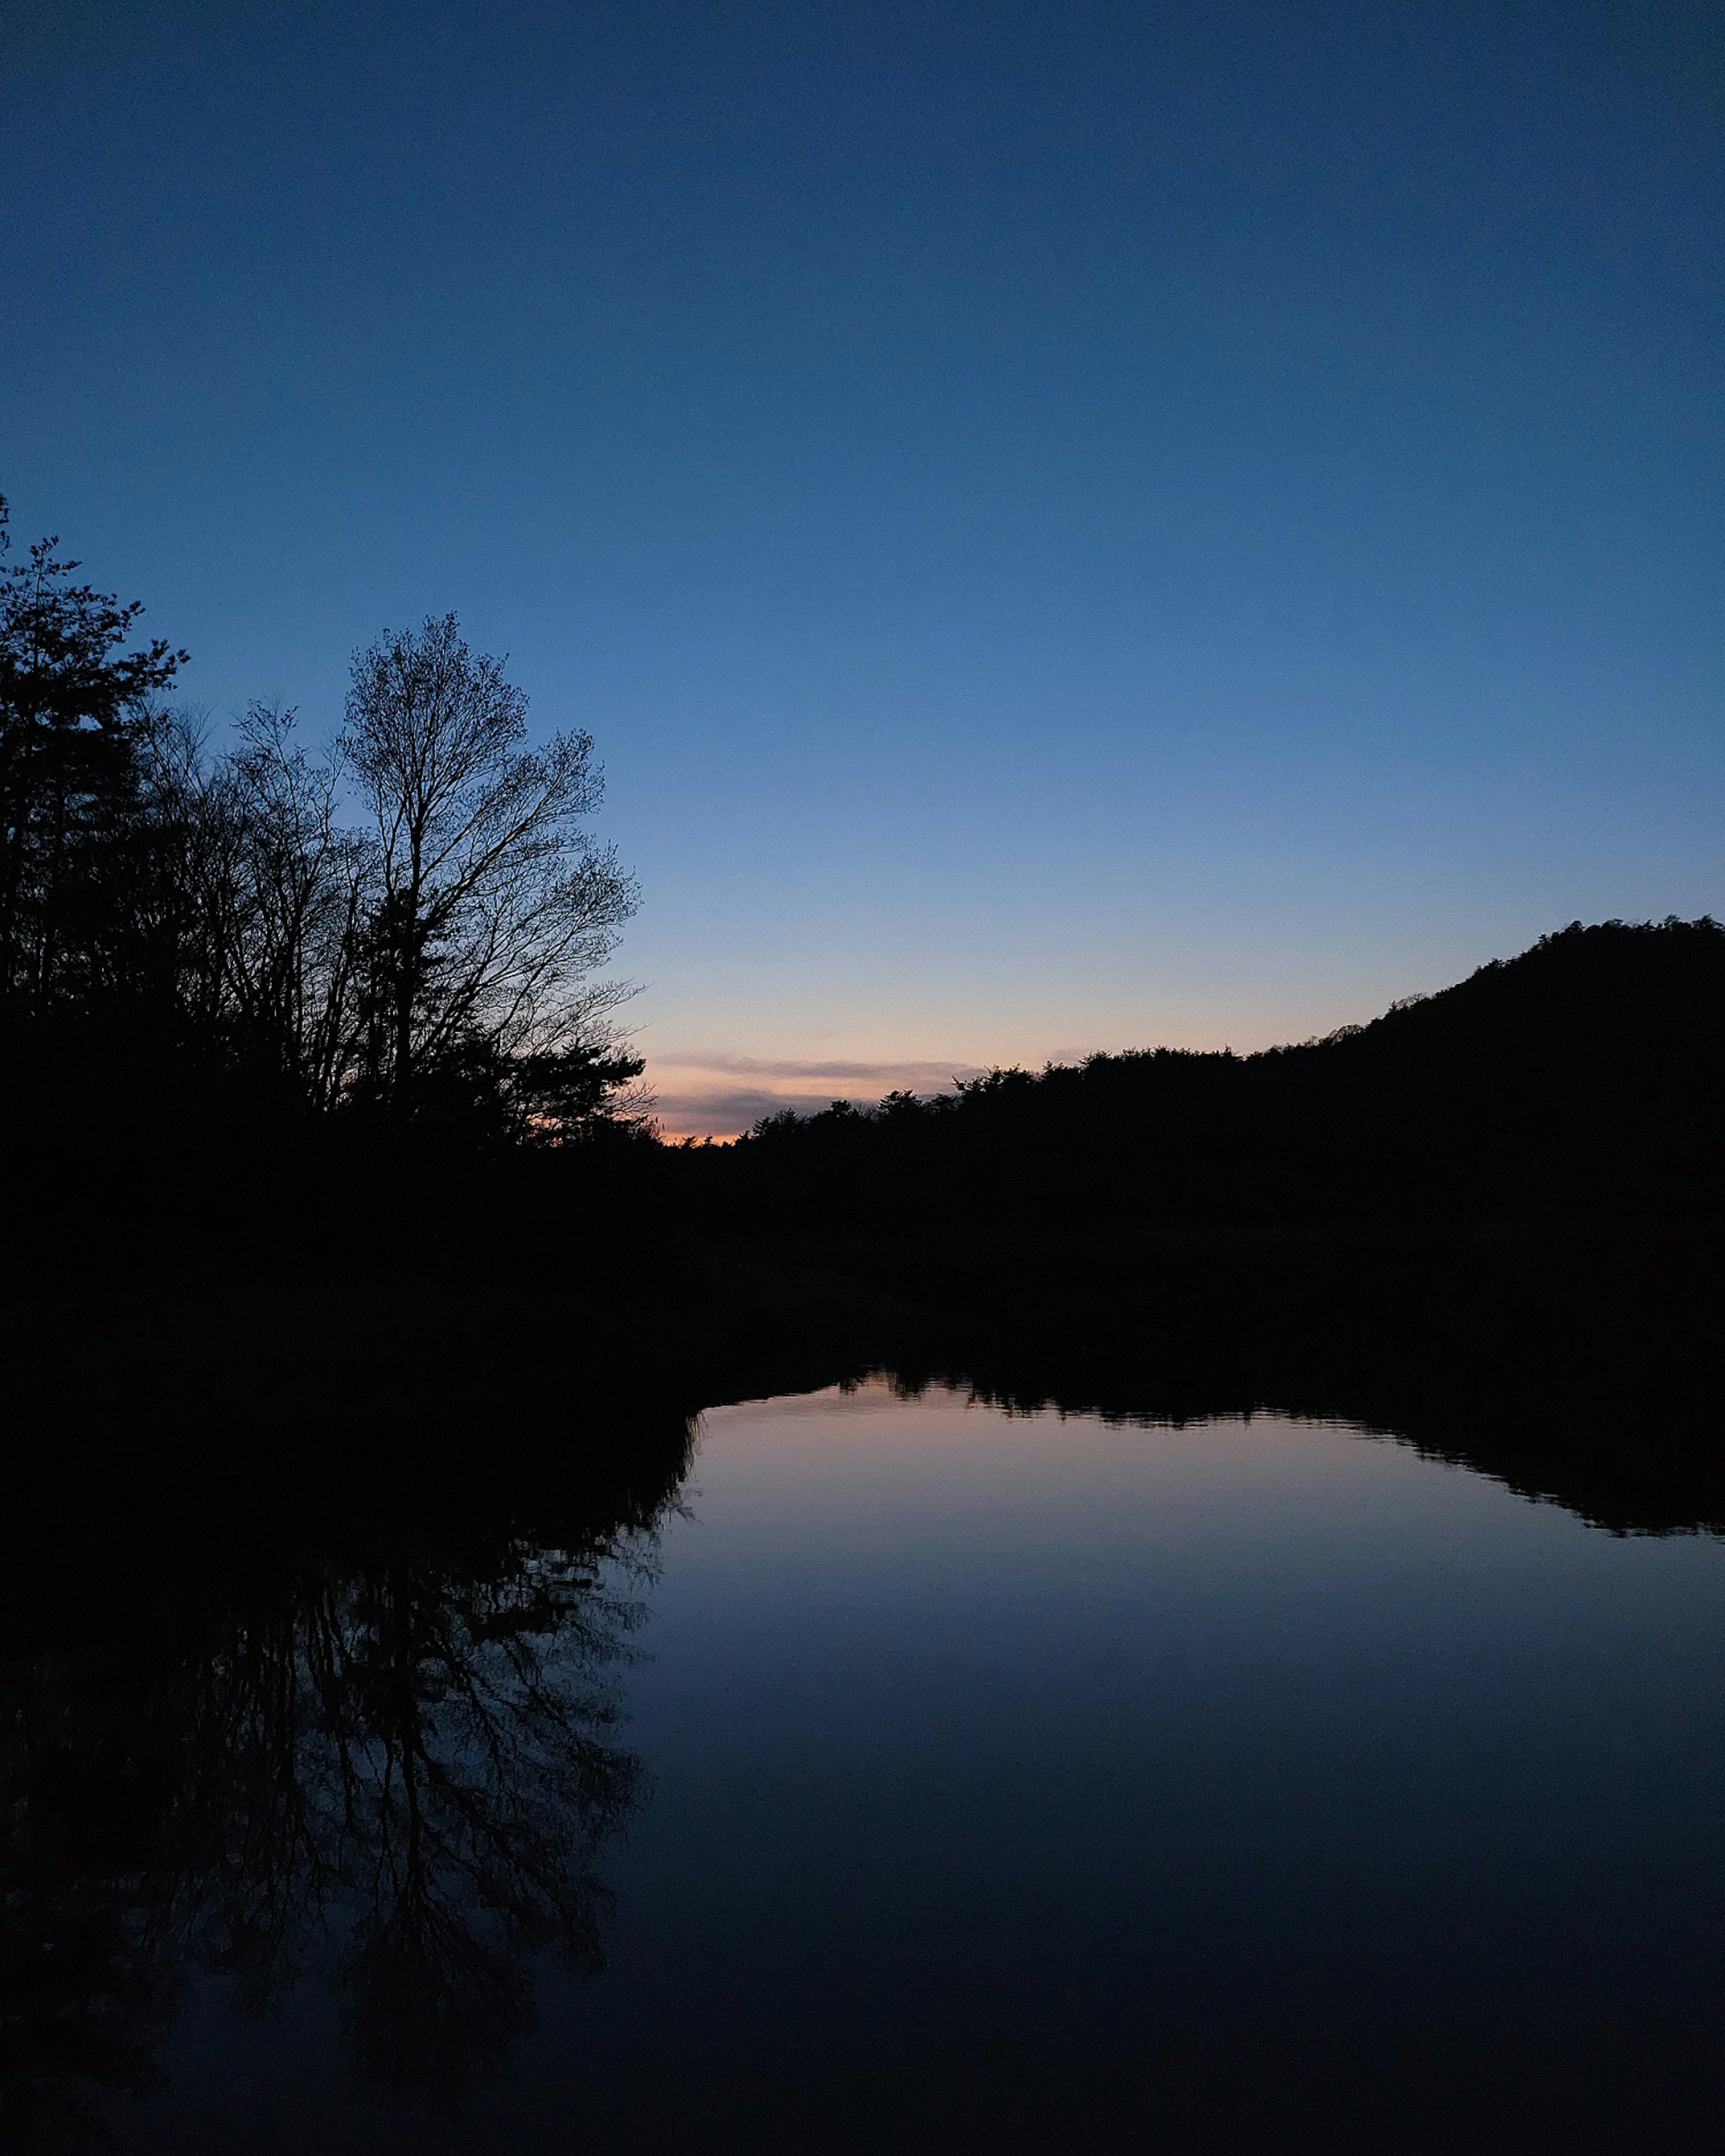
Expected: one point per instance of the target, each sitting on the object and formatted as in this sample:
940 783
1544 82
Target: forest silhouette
234 985
1580 1079
222 974
314 1115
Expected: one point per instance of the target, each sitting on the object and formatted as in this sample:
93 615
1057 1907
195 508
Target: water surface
1033 1782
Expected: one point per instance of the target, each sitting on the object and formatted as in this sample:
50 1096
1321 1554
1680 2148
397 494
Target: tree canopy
405 925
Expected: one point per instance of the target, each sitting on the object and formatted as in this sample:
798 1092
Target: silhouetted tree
264 899
495 906
205 957
72 704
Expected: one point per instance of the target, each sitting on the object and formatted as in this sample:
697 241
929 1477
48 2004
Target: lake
937 1775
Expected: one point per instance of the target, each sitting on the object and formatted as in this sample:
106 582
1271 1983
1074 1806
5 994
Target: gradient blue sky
1072 525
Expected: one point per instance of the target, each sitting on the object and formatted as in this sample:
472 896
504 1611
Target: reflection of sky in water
1031 1778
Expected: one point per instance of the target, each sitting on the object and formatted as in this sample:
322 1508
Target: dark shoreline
1579 1363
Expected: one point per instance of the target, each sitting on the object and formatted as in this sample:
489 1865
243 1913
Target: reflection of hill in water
1584 1369
238 1738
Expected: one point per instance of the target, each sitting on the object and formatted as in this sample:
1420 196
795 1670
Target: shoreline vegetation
318 1142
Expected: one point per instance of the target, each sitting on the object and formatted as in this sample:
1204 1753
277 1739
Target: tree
494 906
260 894
71 706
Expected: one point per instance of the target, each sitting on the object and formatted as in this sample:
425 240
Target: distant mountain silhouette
1579 1080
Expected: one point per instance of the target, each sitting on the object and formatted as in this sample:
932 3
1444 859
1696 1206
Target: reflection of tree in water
413 1758
430 1757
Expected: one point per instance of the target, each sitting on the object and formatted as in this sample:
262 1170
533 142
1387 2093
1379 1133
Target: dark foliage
234 1000
1581 1080
74 856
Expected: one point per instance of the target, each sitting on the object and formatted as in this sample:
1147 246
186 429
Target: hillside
1581 1080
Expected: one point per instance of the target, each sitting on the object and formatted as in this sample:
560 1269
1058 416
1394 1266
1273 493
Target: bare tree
310 883
495 906
258 899
442 948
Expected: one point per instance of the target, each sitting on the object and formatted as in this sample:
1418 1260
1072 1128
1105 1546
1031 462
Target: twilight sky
1072 526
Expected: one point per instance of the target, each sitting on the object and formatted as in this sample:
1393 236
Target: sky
1070 527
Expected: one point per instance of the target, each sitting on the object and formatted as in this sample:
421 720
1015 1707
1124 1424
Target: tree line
396 939
403 927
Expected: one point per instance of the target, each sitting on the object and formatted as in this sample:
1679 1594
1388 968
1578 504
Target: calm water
1029 1783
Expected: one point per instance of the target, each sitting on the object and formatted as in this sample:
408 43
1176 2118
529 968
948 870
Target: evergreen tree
73 707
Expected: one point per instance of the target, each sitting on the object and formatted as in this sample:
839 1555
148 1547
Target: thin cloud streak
886 1076
687 1108
719 1115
